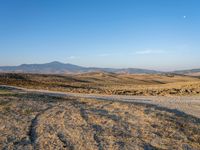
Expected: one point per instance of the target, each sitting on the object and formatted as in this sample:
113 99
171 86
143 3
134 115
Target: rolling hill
192 72
60 68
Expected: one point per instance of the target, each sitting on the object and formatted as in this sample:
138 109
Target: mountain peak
55 62
59 67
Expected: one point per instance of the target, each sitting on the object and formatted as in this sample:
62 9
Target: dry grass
108 83
4 92
37 121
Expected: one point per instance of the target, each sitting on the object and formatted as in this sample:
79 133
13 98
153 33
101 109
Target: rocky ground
40 121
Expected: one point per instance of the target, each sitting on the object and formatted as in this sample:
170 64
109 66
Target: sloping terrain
108 83
39 121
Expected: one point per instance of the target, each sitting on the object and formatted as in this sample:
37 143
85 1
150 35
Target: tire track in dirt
65 141
32 134
77 127
120 128
96 129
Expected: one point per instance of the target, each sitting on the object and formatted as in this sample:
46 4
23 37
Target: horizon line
159 70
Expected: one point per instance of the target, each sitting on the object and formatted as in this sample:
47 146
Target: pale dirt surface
189 105
186 104
32 119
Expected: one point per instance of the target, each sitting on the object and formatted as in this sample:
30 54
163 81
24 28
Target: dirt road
186 104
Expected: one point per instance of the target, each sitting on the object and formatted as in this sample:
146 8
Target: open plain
84 112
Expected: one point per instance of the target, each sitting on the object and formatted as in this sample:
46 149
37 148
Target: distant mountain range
193 72
61 68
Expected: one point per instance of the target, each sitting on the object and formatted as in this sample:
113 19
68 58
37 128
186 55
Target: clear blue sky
153 34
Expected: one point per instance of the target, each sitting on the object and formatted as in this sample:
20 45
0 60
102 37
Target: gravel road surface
187 104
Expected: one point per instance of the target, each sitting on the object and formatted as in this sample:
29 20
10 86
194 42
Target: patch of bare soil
37 121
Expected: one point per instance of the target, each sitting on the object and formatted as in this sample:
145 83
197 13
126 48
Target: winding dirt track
186 104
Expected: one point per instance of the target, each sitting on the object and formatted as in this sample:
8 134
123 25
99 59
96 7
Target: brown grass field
108 83
37 121
34 121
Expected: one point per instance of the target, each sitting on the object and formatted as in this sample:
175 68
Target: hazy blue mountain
58 68
189 71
